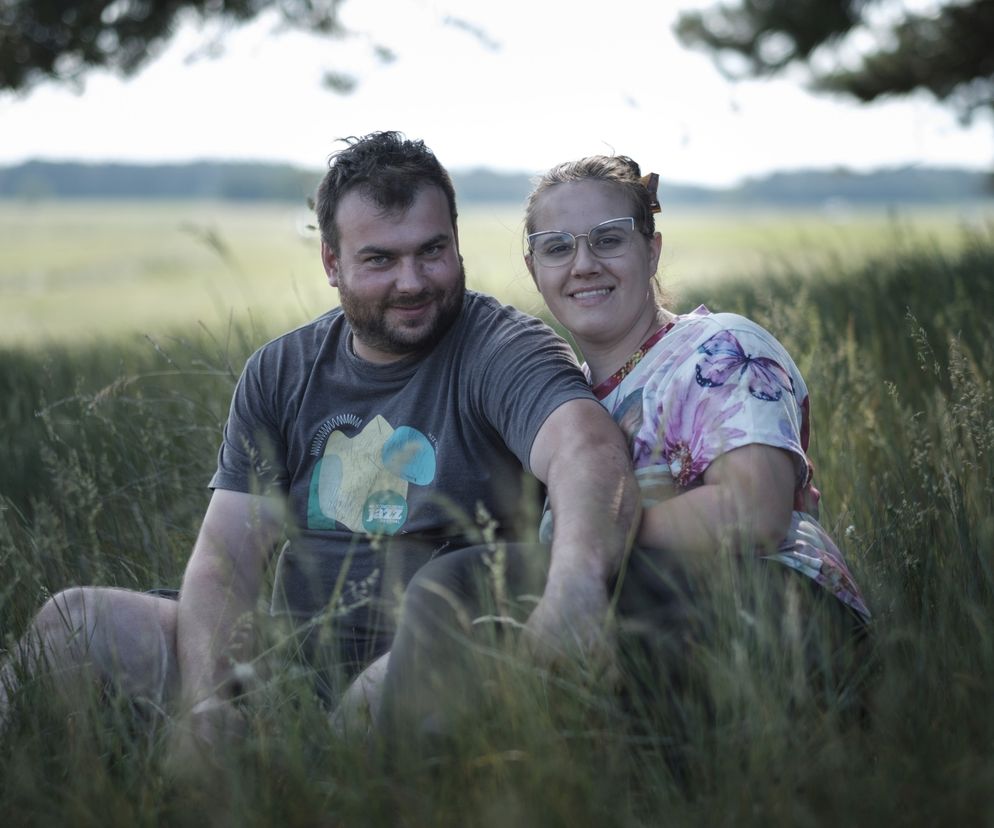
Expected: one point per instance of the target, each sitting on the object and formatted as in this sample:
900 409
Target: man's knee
67 619
479 580
126 637
437 596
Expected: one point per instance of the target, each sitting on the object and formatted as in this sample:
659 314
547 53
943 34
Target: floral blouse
711 382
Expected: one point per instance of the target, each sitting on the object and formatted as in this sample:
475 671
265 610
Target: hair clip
651 183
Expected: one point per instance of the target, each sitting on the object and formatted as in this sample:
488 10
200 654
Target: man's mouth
411 304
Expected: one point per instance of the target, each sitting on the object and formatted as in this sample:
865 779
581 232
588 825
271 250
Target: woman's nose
584 261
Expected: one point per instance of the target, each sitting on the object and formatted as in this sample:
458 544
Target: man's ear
330 262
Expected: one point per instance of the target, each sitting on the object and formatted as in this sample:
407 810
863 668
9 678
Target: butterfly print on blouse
724 358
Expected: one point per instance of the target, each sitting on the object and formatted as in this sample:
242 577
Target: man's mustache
408 301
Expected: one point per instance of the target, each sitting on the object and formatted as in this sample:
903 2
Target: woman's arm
745 502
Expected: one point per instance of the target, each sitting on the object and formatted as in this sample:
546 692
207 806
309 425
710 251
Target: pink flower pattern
691 427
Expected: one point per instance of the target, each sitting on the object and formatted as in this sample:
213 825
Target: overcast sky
538 82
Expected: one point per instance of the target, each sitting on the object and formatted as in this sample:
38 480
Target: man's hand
572 624
200 736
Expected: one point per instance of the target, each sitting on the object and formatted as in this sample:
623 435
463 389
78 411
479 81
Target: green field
72 271
106 447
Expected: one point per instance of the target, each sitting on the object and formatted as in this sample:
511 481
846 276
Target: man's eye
433 250
377 261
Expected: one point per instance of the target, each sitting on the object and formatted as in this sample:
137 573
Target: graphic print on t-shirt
361 482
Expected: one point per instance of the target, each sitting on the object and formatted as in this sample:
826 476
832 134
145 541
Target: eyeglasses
606 240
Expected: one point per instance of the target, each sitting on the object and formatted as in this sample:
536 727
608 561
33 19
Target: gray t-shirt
386 466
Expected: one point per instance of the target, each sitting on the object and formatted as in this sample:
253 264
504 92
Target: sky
527 84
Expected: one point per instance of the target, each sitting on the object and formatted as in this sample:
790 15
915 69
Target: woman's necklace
602 389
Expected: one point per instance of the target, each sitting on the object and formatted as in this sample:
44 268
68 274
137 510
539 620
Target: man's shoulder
483 304
482 312
300 341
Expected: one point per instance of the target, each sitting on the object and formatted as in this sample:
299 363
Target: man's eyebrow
375 251
439 238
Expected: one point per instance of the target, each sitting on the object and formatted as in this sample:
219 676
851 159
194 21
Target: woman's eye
607 242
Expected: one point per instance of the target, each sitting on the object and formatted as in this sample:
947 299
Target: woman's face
602 301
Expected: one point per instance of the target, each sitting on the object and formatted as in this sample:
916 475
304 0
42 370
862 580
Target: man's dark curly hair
388 169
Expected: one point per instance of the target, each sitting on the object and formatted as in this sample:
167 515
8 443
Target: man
373 437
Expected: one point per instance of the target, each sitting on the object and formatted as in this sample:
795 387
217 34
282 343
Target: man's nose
410 278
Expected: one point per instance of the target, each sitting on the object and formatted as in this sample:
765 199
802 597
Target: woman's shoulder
704 319
724 343
713 329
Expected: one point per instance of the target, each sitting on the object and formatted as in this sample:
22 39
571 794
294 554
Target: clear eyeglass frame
542 245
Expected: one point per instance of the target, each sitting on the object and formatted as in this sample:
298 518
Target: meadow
79 272
123 331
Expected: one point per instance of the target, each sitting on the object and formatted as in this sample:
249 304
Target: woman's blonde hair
619 170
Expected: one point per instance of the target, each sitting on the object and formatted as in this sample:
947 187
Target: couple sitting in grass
374 436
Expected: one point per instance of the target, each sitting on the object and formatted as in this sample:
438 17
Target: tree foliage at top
948 51
59 39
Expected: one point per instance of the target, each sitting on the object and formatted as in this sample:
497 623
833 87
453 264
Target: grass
107 447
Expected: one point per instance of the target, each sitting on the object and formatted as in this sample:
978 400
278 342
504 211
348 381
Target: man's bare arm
220 586
581 456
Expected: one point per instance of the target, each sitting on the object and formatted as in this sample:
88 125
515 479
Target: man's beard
370 326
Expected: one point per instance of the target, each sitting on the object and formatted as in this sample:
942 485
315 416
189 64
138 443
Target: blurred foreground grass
107 450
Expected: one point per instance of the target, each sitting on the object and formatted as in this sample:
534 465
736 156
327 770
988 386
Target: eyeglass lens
607 240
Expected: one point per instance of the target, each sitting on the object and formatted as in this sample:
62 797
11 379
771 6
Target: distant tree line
205 179
246 181
898 185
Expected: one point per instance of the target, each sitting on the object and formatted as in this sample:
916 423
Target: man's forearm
582 457
596 509
211 632
220 589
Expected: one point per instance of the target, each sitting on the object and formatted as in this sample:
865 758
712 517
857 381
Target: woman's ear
530 264
655 250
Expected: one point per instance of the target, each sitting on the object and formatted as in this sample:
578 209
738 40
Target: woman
715 409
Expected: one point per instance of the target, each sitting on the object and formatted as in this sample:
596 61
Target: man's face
398 273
